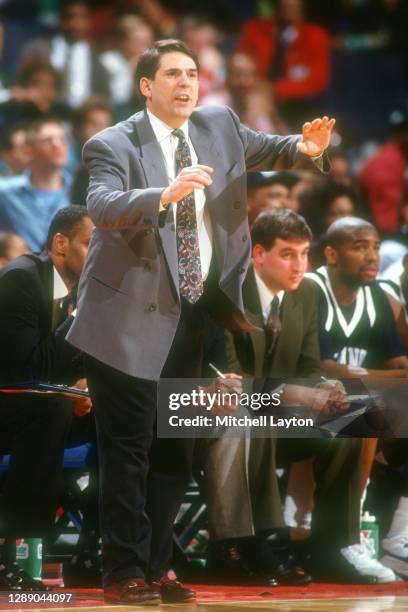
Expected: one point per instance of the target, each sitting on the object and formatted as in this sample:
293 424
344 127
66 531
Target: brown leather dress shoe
172 591
133 591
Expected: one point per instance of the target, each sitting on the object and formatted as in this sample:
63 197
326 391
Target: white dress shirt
266 296
60 288
76 60
168 144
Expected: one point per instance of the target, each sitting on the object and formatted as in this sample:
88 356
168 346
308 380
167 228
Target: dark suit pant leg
336 514
169 476
125 412
34 430
171 459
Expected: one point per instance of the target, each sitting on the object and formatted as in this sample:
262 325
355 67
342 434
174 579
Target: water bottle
29 556
369 534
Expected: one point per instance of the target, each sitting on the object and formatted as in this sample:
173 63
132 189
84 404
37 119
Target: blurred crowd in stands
67 71
275 63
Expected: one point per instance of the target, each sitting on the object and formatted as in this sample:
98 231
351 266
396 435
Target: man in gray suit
171 248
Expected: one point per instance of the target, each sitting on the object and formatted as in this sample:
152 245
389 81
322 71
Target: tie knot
179 134
275 304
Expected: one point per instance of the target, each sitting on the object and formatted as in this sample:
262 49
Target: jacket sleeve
309 363
110 204
262 151
27 355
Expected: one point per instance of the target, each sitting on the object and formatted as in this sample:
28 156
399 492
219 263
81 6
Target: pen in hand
216 370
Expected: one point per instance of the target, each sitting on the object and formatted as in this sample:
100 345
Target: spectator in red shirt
290 51
382 178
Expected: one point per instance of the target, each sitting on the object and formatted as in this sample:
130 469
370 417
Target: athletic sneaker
359 557
396 554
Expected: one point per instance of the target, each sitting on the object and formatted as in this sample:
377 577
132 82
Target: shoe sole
397 565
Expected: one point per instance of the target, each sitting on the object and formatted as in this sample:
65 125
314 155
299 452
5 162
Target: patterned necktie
273 326
189 263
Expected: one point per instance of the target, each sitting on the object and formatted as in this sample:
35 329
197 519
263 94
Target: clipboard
44 388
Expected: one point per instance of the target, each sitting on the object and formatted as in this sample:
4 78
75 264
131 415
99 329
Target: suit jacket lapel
151 155
209 154
154 168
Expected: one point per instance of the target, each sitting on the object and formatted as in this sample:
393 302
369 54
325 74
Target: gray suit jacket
129 307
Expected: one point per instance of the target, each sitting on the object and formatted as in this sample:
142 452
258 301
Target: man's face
241 75
290 11
268 197
136 40
284 265
76 21
17 157
342 206
357 259
15 247
77 248
49 147
45 83
173 93
97 120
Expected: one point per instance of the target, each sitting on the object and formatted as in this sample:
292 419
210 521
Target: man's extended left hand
315 136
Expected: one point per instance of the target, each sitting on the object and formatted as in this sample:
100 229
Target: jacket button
147 221
152 307
241 270
147 267
236 205
244 238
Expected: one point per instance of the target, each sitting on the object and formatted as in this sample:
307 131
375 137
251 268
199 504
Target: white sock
289 512
399 524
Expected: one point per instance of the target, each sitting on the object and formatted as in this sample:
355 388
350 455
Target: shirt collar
162 130
60 288
266 295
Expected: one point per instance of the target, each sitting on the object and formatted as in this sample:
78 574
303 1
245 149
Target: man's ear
258 253
331 255
60 244
145 87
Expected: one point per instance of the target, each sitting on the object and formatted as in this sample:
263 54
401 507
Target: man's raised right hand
188 179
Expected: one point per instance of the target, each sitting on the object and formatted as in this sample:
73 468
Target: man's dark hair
315 202
149 61
344 229
31 69
279 223
66 222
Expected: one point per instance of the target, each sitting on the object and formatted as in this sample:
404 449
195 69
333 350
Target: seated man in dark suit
35 314
243 496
